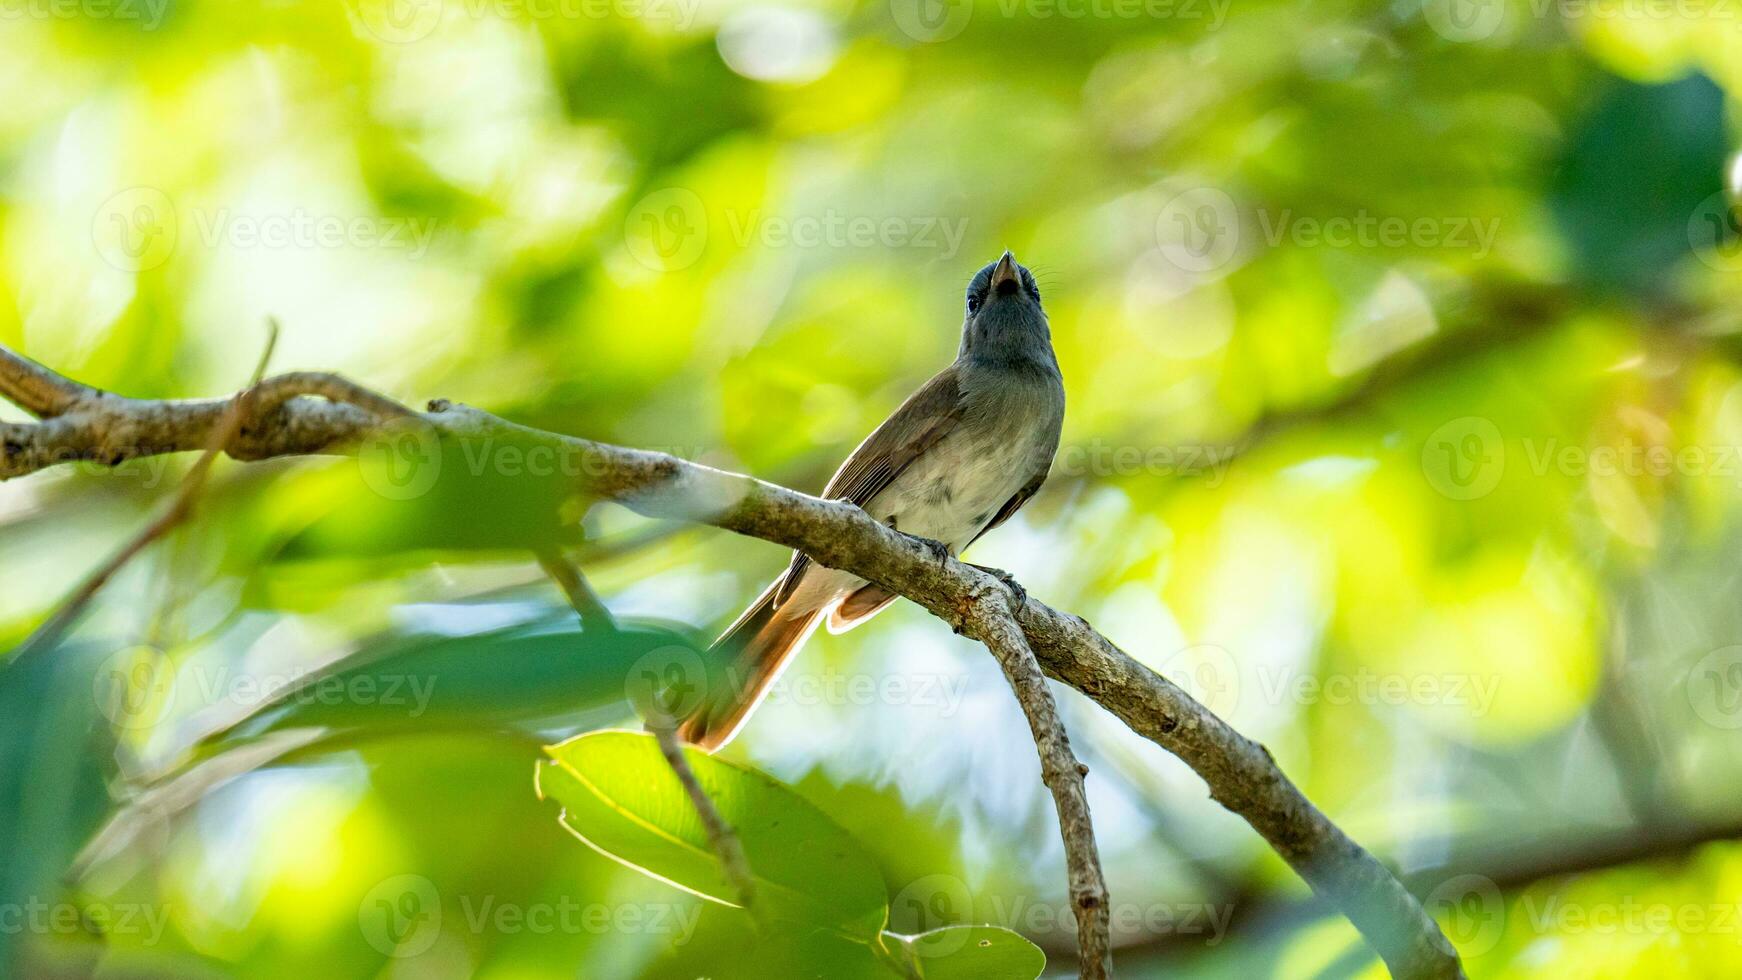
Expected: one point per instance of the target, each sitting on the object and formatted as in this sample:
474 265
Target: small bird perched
960 456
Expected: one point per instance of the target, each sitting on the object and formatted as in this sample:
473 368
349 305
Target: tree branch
724 839
594 614
36 389
1241 774
727 847
1061 772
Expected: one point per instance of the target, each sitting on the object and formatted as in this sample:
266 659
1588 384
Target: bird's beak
1005 273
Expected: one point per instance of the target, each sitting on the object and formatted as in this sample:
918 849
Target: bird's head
1004 316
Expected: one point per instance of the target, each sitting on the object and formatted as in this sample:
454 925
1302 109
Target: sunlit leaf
972 953
619 795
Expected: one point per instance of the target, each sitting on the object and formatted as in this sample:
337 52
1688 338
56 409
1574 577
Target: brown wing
927 416
1012 505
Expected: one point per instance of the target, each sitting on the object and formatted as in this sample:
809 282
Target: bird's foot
1009 581
938 549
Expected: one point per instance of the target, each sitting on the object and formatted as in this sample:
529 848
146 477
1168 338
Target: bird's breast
955 488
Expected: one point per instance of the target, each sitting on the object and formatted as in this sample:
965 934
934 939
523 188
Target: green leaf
952 953
814 955
56 754
1636 171
621 798
522 673
971 953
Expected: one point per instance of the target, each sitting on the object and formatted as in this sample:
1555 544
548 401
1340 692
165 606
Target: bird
955 460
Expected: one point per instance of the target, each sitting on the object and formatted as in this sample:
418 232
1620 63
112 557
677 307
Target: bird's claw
938 549
1009 581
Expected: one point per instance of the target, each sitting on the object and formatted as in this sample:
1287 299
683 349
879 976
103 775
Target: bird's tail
750 655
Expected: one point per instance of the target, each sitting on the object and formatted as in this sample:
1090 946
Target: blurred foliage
1401 351
817 898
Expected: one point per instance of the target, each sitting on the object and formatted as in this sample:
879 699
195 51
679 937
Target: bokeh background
1405 406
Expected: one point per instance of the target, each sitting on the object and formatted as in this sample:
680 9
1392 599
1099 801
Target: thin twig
594 613
179 509
720 834
36 389
1063 776
271 394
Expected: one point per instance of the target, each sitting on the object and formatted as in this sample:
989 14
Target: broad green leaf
55 755
1635 174
971 953
815 955
517 674
621 798
952 953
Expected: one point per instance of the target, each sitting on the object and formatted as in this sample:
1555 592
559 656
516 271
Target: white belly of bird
953 491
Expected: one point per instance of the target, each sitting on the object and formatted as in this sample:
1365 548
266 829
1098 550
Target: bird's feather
928 415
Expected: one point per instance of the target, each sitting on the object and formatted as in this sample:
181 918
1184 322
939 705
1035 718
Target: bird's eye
973 305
